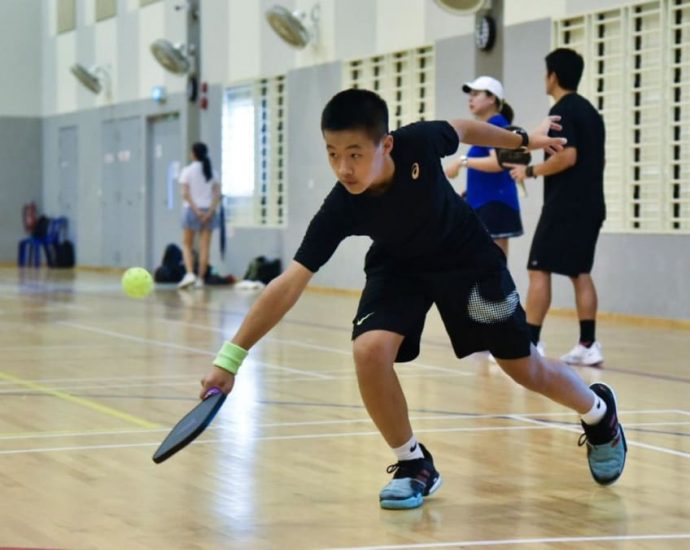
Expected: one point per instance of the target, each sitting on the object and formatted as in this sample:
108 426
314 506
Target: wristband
529 171
464 161
230 357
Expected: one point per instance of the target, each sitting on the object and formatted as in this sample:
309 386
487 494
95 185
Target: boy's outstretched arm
474 132
275 301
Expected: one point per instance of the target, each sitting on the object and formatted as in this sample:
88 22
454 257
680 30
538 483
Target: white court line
265 438
459 416
628 441
537 425
170 345
545 540
318 347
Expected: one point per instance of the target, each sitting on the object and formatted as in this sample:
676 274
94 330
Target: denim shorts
190 220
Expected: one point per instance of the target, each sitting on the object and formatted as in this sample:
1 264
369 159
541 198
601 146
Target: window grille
254 153
405 80
637 72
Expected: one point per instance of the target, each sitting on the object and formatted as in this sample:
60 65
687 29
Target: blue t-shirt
485 187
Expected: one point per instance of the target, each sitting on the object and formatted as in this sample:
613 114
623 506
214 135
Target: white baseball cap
484 84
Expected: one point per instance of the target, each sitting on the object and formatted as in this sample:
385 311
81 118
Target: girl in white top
201 196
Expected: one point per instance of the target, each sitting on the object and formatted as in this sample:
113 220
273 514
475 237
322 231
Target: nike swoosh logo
488 312
413 448
361 320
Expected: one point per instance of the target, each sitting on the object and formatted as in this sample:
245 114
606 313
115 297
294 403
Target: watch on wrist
529 171
520 132
463 161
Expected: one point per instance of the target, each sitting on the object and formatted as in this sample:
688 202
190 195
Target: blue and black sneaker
413 480
606 446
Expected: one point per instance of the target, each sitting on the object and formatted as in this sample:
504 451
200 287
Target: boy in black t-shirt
429 248
574 209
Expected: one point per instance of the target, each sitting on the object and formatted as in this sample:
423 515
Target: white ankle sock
409 451
596 413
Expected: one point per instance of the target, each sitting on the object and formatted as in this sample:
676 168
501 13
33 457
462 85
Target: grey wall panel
20 158
90 186
454 65
523 80
310 176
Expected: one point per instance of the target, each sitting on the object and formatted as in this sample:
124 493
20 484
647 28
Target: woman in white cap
491 192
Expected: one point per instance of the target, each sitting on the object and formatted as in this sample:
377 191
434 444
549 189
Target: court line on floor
307 345
302 423
534 425
84 402
628 441
501 542
170 345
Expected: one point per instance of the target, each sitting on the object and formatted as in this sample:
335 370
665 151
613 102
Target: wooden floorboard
90 382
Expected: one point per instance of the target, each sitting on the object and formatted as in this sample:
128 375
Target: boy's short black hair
356 109
567 65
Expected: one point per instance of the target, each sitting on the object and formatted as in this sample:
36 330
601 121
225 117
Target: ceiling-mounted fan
293 27
176 58
94 79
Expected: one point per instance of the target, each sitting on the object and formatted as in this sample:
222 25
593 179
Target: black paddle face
191 426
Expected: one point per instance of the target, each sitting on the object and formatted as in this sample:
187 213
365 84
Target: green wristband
230 357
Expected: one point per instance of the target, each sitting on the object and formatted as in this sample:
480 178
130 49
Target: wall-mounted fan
463 7
94 79
175 58
293 27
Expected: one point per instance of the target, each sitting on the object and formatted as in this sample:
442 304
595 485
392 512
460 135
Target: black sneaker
413 480
606 446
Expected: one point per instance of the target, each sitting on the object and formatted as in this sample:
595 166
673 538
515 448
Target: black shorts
500 220
564 245
480 311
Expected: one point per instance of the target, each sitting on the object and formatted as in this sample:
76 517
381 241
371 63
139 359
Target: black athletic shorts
500 220
564 245
480 311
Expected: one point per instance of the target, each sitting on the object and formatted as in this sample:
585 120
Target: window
405 80
637 73
254 153
66 16
105 9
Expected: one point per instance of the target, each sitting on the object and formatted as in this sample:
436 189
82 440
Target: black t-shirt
418 224
579 190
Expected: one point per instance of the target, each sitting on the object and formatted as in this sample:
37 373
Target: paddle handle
213 391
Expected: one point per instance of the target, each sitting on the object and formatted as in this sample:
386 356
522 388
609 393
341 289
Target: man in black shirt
574 209
429 248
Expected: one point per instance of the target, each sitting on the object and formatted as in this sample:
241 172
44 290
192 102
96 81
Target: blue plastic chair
30 248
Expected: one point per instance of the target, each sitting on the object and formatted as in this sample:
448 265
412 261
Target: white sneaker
199 283
580 355
187 280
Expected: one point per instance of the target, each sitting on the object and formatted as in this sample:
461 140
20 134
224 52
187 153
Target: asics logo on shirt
415 170
362 319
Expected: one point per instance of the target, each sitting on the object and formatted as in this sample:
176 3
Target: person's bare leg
503 245
374 354
204 250
586 299
551 378
538 297
187 246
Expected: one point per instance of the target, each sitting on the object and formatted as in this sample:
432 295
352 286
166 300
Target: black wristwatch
520 132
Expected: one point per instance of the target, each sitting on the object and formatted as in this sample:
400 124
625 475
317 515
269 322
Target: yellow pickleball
137 282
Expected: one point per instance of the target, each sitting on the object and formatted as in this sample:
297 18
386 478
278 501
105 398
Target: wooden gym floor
91 381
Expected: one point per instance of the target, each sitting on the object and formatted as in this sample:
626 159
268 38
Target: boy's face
357 161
